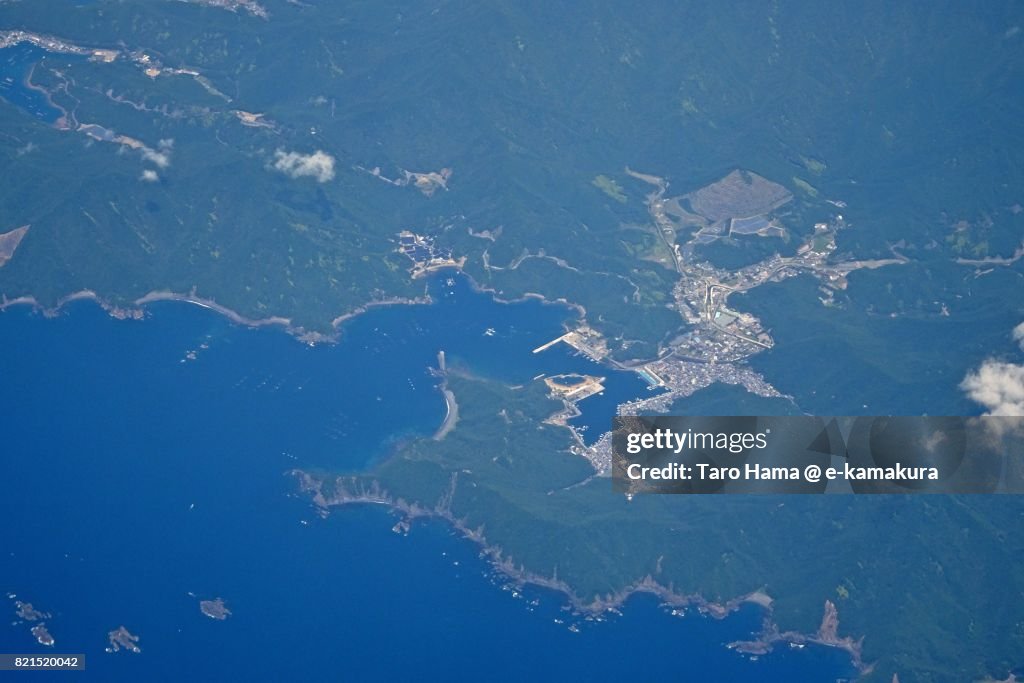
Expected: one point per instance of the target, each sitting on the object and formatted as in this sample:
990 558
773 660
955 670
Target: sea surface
137 480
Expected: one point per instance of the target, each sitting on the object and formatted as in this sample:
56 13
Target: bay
137 481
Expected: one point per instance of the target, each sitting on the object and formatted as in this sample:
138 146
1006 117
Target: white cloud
1018 335
319 165
997 385
161 159
149 176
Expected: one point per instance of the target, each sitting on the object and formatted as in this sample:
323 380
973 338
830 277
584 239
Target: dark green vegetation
896 109
931 582
910 112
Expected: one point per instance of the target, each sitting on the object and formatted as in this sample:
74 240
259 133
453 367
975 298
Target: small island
26 612
43 635
215 609
121 638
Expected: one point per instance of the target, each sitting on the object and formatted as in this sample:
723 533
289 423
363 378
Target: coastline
451 416
349 490
770 635
136 309
528 296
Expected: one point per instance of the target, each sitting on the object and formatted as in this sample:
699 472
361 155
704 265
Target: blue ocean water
136 481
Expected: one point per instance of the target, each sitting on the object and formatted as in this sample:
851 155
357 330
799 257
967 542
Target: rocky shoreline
136 310
351 490
348 490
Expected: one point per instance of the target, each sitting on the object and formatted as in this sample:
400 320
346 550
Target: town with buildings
716 340
425 256
56 45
